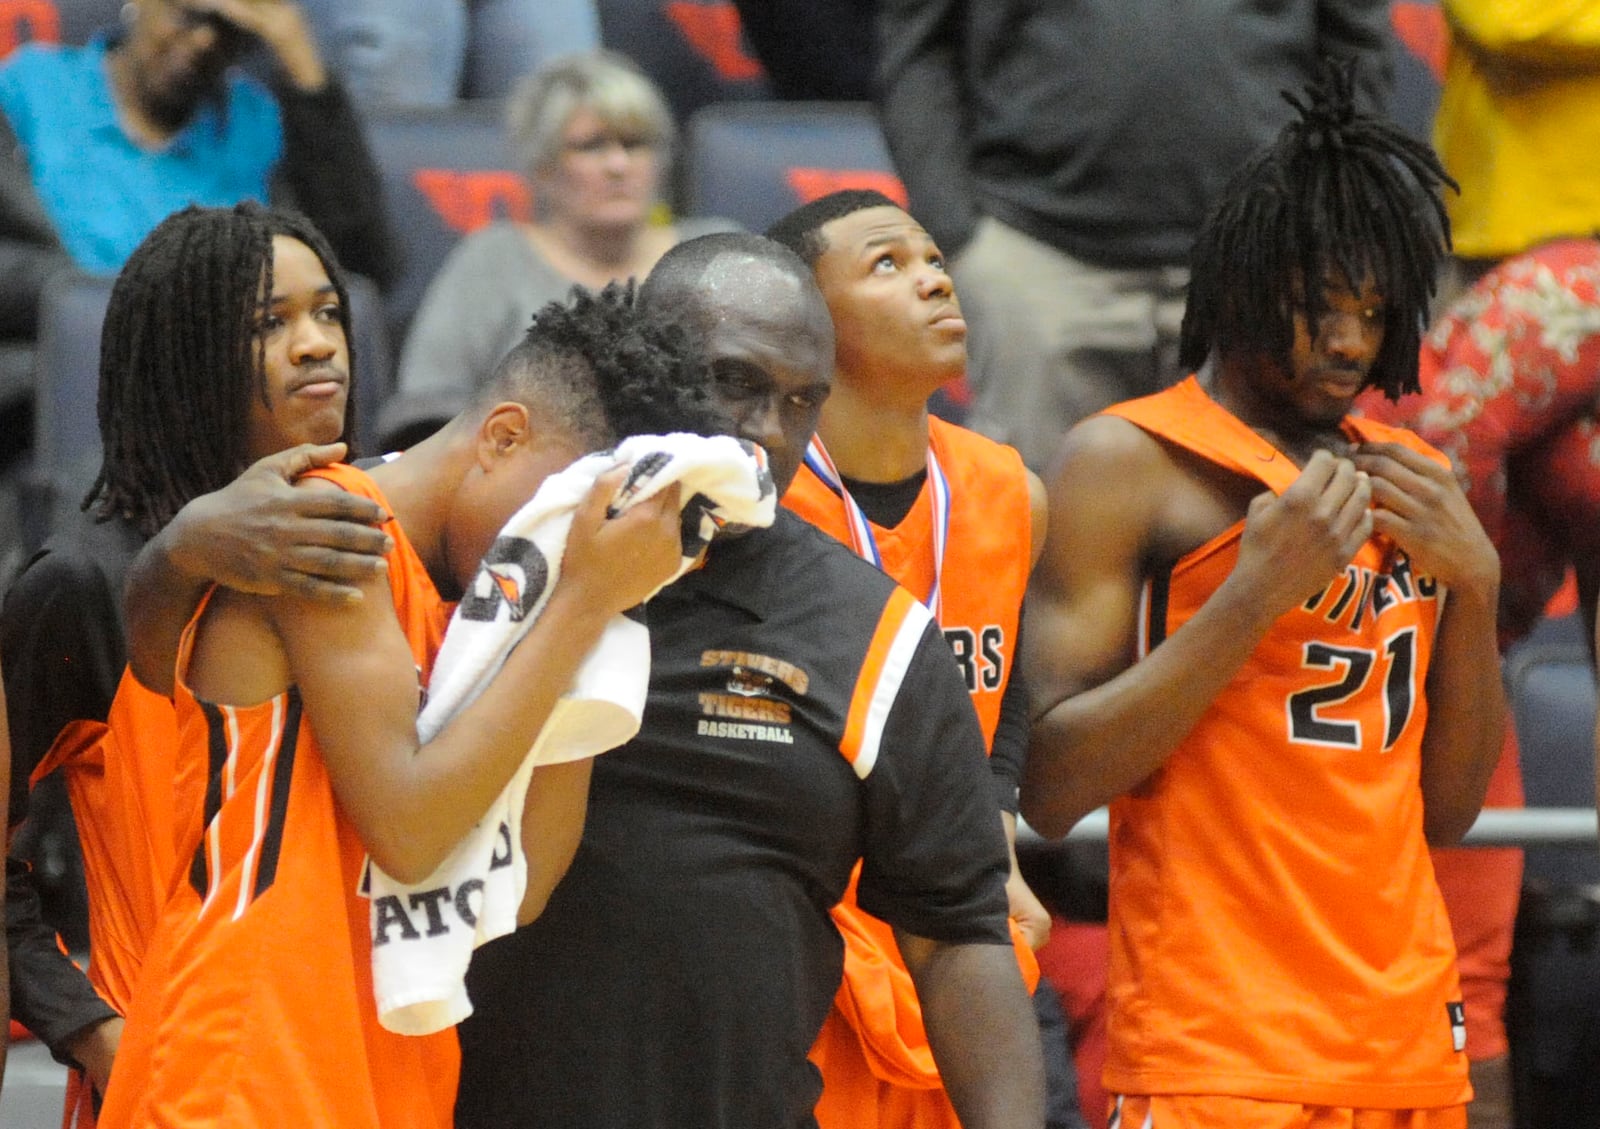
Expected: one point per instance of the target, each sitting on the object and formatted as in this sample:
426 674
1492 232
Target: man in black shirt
803 713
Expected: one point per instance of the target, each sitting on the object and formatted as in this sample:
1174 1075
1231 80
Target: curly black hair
801 229
605 368
1338 191
180 358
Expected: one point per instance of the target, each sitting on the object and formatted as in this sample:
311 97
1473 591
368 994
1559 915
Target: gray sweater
1105 128
476 308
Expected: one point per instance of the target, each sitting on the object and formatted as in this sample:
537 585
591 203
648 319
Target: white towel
424 934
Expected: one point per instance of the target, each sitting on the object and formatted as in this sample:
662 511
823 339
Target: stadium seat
445 173
53 21
66 428
1553 1014
694 50
1422 40
753 162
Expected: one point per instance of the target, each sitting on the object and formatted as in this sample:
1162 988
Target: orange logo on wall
715 33
1422 29
811 184
28 21
468 200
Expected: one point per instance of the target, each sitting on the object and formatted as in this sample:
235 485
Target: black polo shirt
684 966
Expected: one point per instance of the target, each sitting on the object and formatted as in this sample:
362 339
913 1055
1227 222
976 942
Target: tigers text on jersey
1276 931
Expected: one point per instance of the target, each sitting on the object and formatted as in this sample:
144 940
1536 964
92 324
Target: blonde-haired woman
595 138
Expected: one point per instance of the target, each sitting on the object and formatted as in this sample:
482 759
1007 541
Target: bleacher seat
66 445
694 50
1421 40
1553 1015
445 172
753 162
53 21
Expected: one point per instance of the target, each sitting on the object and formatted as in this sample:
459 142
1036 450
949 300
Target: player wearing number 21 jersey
1335 936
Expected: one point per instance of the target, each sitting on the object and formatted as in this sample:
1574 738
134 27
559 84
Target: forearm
431 795
1092 746
553 814
1466 716
49 994
330 175
982 1030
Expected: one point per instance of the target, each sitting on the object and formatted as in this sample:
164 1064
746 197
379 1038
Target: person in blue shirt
101 142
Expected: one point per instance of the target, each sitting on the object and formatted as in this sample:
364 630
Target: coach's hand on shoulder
259 534
1295 542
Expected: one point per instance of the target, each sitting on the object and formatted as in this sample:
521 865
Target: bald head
766 333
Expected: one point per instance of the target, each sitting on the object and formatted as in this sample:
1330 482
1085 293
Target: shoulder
35 60
1375 431
500 237
1105 445
1110 488
252 107
341 476
809 573
996 467
492 263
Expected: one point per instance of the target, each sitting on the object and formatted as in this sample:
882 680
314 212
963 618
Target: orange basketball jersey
987 558
118 775
877 1068
255 1005
1276 931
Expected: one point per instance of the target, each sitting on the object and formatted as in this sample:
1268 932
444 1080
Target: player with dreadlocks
1239 638
221 317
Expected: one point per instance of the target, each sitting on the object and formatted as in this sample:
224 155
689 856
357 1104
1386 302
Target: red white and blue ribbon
861 538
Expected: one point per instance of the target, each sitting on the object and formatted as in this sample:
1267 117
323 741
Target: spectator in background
1070 231
1518 127
1510 377
430 52
101 142
595 137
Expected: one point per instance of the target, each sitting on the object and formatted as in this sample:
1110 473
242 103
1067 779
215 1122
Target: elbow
1446 828
407 862
1051 820
543 878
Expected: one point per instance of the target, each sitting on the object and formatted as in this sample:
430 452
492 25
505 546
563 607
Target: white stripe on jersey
895 665
268 759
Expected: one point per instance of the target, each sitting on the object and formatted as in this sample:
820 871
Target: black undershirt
886 504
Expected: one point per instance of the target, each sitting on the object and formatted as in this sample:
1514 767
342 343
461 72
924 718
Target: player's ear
505 428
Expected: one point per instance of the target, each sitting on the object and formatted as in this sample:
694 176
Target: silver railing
1495 827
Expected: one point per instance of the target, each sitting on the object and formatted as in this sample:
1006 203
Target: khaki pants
1054 339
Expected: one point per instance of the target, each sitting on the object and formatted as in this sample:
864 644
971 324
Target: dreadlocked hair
1339 195
604 368
180 358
